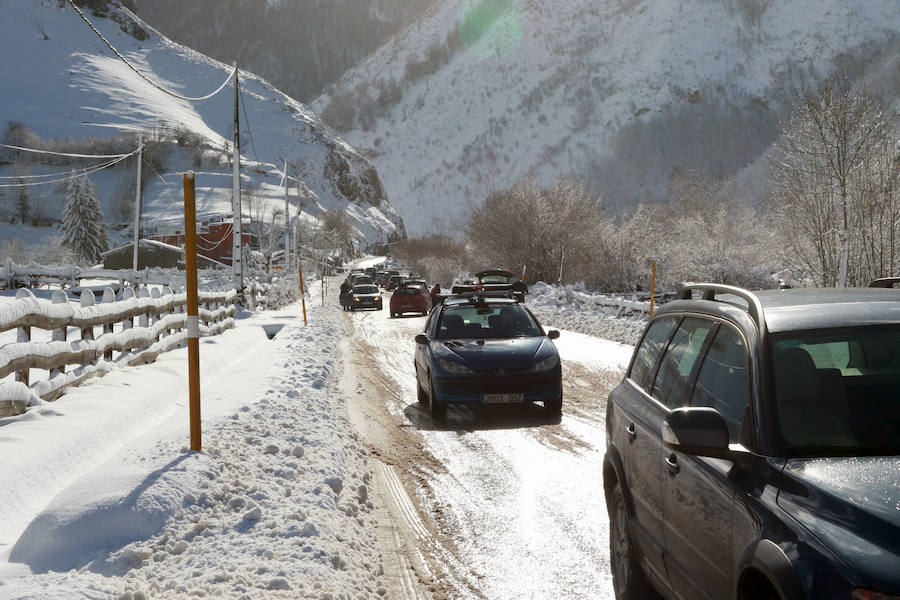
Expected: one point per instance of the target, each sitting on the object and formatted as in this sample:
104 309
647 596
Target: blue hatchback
481 349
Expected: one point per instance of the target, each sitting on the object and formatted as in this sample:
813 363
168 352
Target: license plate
503 398
407 306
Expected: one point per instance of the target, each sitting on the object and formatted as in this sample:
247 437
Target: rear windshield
407 291
487 321
838 392
495 279
365 289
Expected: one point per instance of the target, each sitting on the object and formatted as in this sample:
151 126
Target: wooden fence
71 276
134 330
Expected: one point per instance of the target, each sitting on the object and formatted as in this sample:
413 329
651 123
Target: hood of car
853 506
513 353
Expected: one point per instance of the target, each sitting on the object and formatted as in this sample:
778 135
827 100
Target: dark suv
752 448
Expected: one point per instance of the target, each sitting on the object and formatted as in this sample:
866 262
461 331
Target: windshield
407 291
486 321
495 279
838 392
365 289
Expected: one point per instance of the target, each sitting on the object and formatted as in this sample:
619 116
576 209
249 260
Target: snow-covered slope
615 92
61 81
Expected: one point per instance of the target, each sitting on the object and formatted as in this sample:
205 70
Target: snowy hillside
615 92
66 84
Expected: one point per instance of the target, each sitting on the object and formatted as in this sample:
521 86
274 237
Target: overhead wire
141 75
175 203
77 173
249 129
68 154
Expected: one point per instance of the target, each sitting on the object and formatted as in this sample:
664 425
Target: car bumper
470 389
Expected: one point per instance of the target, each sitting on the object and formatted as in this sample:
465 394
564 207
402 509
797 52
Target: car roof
810 308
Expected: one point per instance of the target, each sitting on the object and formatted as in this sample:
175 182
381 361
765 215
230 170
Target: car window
365 289
486 321
838 392
645 358
672 380
722 382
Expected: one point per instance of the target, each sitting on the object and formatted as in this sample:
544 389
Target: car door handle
630 432
672 464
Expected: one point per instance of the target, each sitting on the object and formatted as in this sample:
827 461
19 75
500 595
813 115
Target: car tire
421 396
554 406
629 581
436 410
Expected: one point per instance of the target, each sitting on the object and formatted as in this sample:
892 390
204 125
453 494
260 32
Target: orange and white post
652 287
302 291
193 319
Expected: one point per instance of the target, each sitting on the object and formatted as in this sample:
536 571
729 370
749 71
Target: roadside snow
561 307
110 502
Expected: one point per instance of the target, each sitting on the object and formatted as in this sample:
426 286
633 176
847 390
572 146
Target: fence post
87 299
652 288
155 295
127 323
23 335
59 334
109 297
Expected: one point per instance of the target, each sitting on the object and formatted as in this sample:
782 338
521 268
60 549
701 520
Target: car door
698 494
634 426
422 357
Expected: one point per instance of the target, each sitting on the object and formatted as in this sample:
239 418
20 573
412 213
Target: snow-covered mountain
619 93
61 82
298 45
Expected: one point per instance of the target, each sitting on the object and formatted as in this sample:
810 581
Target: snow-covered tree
83 229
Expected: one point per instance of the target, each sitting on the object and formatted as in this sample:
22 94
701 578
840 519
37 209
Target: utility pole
287 223
137 204
236 220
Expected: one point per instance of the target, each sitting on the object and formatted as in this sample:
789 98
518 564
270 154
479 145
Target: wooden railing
134 330
13 275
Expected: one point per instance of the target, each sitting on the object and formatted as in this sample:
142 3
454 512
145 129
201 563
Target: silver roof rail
884 282
684 291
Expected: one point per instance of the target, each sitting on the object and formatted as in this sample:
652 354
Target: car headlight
356 299
546 364
454 367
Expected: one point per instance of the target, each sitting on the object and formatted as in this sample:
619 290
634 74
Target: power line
77 174
249 130
68 154
141 75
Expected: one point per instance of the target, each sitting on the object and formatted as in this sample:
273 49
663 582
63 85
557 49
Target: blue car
484 349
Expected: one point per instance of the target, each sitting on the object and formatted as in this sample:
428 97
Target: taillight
863 594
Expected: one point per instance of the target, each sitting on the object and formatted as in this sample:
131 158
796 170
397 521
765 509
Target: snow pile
276 506
572 307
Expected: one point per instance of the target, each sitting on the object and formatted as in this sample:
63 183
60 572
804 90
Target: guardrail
136 329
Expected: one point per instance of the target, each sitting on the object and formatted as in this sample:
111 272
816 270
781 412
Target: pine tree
83 229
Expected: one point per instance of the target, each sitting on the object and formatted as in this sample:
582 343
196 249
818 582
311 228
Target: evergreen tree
83 229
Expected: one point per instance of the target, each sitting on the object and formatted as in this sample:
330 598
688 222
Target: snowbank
277 504
572 307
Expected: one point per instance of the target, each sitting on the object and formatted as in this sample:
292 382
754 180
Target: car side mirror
421 339
699 430
553 334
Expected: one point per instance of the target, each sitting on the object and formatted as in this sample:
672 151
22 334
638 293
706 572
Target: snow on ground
557 307
103 499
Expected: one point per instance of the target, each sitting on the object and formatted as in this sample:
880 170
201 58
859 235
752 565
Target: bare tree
818 162
550 230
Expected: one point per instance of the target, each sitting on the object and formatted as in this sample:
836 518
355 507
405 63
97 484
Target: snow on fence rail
13 275
138 328
545 294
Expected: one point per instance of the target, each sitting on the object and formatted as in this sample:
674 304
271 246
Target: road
498 502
